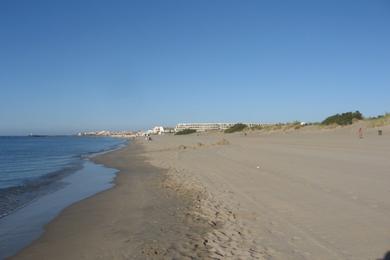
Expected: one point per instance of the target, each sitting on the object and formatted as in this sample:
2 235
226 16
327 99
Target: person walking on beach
360 133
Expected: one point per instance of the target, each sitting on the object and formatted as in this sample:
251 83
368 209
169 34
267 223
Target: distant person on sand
360 133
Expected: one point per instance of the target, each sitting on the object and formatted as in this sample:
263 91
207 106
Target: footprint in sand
295 238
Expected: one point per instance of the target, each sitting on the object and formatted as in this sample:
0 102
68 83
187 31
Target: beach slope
303 194
137 219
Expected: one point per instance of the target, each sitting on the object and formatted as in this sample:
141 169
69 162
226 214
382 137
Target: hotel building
202 127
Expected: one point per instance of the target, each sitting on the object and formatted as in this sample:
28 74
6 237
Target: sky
70 66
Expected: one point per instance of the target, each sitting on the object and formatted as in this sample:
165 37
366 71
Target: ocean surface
33 166
40 176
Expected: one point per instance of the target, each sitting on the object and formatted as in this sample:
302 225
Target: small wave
13 198
106 150
69 159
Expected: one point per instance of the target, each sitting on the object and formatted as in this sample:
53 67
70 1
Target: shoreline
47 183
27 224
139 216
57 190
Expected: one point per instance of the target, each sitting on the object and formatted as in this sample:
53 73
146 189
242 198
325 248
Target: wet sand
137 219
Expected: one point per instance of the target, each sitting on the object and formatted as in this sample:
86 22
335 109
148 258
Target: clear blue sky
67 66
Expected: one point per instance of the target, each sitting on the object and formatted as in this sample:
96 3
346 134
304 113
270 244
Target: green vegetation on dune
343 119
349 118
380 120
186 132
236 128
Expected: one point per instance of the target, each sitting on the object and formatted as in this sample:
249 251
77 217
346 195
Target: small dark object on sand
385 257
360 133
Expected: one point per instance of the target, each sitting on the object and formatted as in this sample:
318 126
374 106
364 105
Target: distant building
124 134
169 129
256 124
202 127
149 132
158 130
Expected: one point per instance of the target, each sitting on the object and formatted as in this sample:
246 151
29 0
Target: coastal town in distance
159 130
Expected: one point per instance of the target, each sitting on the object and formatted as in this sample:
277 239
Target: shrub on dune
236 128
186 132
343 119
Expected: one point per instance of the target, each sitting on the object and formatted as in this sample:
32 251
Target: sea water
40 176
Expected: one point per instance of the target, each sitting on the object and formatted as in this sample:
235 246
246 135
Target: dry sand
300 194
306 194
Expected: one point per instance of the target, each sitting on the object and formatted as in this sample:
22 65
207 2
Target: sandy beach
301 194
137 219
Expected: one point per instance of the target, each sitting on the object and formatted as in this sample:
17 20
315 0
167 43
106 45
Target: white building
202 127
149 132
158 130
168 129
